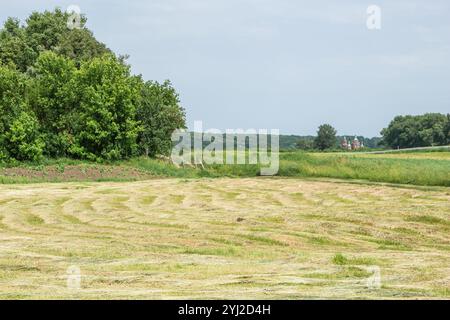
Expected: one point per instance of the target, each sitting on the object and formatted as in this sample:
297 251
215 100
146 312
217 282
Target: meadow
249 238
414 168
326 227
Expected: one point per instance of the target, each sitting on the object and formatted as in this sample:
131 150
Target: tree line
430 129
65 94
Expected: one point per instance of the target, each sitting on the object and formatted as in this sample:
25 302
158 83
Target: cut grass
341 260
34 220
213 247
429 220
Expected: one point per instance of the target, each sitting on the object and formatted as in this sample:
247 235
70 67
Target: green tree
105 125
305 143
416 131
80 45
14 47
447 130
19 129
54 100
64 87
47 31
160 114
25 142
326 137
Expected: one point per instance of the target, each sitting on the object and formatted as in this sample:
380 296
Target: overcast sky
281 64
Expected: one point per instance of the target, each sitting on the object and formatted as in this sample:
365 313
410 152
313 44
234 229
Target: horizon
281 64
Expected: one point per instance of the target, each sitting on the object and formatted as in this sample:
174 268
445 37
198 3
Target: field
327 227
413 168
224 238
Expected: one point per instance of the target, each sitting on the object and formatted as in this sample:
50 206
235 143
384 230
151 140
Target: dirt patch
76 173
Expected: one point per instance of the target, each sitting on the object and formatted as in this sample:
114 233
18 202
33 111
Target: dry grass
223 238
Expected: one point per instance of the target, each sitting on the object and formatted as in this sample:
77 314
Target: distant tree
160 114
305 143
447 130
416 131
326 137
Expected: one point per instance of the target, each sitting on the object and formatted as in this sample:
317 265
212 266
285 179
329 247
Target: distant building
345 144
352 145
356 144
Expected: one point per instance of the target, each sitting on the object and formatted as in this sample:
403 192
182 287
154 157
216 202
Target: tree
14 47
105 125
80 45
447 130
25 142
19 129
64 87
54 100
416 131
160 114
305 143
47 31
326 137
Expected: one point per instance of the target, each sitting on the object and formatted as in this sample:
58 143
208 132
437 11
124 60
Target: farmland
223 238
419 168
145 229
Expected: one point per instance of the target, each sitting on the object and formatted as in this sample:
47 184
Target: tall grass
415 171
428 172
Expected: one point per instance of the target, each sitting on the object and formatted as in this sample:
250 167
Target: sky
280 64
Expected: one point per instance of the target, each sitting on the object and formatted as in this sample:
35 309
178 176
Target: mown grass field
143 228
264 238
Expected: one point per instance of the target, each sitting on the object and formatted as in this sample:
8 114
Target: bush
24 139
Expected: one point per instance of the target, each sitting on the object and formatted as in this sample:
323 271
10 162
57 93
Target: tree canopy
431 129
326 137
65 94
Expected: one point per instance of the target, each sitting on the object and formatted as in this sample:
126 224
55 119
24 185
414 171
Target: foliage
305 143
15 49
19 129
80 45
24 138
326 137
430 129
160 114
62 86
105 125
53 100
